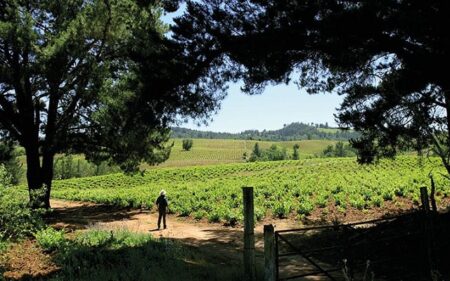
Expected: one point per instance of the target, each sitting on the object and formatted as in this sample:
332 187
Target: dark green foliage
293 131
274 153
8 157
386 57
50 239
329 151
16 219
339 150
67 167
187 144
256 153
295 154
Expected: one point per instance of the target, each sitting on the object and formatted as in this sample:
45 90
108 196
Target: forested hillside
293 131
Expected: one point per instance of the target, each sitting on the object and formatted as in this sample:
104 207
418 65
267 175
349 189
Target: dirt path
214 243
79 215
83 214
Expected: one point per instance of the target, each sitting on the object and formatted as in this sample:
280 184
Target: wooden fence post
424 199
428 229
249 235
269 253
432 195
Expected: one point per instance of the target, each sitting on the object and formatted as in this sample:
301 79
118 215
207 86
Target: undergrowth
99 254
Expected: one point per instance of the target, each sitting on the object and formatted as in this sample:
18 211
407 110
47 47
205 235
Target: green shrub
295 154
119 255
187 144
200 214
388 195
377 201
68 166
5 177
322 200
50 239
17 220
340 200
274 153
8 158
3 246
357 203
339 150
214 216
305 208
259 213
282 209
232 217
184 209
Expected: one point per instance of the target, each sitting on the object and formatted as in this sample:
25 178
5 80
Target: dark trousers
162 214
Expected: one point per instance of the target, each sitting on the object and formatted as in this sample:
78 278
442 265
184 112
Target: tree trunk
47 176
39 176
34 177
444 155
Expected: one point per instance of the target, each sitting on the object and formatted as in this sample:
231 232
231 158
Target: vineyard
282 189
222 151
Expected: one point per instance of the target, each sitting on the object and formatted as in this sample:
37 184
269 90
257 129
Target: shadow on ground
82 215
151 261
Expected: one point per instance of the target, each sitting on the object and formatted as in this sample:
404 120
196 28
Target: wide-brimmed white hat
162 192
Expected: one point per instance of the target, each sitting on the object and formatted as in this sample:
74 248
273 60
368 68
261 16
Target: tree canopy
388 59
96 77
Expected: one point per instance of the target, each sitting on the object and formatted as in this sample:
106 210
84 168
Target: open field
217 151
313 187
328 130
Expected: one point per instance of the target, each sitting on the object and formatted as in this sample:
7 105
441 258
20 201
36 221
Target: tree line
293 131
277 153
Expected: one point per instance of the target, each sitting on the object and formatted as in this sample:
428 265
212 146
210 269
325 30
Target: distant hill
293 131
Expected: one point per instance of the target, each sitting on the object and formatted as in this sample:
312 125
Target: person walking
163 205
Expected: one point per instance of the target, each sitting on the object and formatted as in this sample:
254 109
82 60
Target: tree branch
7 123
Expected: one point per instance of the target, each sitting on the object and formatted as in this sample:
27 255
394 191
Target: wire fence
395 248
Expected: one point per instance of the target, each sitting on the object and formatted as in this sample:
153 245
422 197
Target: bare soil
26 260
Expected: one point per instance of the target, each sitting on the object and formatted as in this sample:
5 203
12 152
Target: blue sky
277 105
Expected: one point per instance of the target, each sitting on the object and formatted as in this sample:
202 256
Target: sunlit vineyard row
282 189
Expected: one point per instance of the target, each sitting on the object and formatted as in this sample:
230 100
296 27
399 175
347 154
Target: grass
104 254
329 130
118 255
